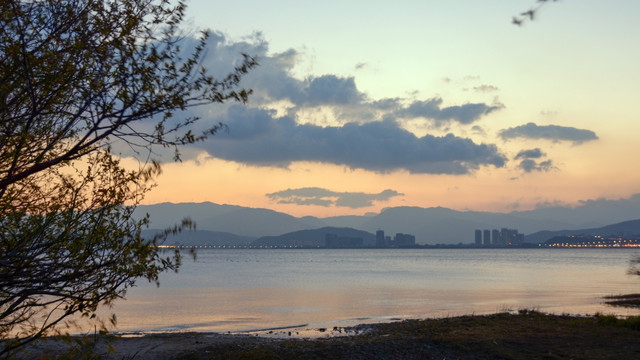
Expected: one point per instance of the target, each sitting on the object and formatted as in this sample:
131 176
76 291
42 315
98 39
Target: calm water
232 290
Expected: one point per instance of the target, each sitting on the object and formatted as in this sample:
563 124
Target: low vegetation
528 334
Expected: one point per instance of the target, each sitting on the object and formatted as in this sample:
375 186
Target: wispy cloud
485 88
529 165
530 154
324 197
553 133
361 65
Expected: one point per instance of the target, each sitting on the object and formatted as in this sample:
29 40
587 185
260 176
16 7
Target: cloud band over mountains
323 197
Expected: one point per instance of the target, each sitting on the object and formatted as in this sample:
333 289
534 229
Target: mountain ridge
432 225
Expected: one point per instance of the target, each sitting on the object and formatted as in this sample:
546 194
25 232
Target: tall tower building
487 237
478 237
380 239
495 237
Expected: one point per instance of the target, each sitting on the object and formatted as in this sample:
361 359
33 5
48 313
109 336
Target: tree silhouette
76 77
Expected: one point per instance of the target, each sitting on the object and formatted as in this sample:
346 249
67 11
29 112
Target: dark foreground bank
526 335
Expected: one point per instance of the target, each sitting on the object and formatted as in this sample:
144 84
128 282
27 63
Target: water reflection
228 290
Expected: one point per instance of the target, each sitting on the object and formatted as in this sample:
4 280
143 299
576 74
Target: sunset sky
362 105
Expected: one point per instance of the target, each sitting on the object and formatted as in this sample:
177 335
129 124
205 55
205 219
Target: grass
526 335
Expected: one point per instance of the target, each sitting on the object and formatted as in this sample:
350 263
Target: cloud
431 109
530 154
478 130
328 89
548 113
485 88
273 81
324 197
280 124
259 137
554 133
529 165
361 65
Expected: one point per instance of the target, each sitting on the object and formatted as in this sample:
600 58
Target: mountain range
435 225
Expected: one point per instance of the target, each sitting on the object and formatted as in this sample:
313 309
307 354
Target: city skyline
359 106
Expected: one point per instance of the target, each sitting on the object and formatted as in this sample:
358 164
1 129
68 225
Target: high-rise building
404 240
508 237
502 237
380 239
495 237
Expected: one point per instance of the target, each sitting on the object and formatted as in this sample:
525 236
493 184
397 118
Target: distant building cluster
591 241
334 241
498 238
400 240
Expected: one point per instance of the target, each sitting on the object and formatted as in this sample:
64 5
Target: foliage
529 14
76 77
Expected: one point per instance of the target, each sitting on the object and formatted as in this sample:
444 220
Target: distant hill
202 238
164 215
590 214
625 228
353 221
315 237
435 225
244 221
257 222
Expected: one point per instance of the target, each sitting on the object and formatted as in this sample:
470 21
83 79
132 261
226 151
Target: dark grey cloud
530 154
554 133
330 89
273 81
529 165
324 197
431 109
259 137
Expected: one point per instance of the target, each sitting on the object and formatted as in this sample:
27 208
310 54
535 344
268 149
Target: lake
242 290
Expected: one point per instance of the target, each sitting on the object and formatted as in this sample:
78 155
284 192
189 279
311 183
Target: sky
362 105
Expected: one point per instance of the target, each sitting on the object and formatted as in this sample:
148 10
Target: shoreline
525 334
